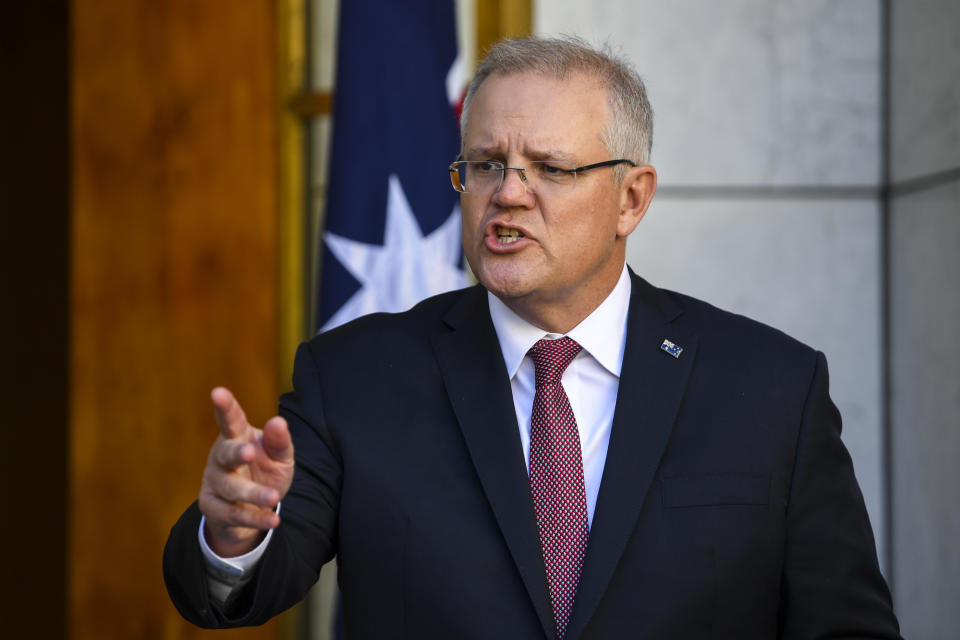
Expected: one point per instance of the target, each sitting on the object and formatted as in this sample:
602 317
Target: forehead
529 113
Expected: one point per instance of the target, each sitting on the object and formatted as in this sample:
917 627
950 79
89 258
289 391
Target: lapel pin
672 349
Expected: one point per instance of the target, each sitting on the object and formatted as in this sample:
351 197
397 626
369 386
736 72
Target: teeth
508 236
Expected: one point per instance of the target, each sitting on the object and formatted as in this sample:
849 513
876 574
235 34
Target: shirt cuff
227 574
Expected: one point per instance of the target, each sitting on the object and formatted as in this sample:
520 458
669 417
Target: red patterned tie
556 477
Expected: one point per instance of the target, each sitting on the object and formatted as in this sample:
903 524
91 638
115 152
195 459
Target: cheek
603 218
592 235
593 219
471 214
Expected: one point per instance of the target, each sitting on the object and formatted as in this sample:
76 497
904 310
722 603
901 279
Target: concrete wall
924 239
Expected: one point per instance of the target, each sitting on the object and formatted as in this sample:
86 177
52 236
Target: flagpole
291 211
498 19
291 180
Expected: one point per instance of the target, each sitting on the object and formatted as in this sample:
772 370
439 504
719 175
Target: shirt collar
602 334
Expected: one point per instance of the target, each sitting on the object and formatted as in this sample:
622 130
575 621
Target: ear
636 192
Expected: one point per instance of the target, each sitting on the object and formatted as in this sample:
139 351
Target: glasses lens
481 175
456 178
551 175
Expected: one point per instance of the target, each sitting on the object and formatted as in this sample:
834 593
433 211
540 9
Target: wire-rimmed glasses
539 176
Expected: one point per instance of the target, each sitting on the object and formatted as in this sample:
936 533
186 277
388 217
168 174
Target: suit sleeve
832 586
305 539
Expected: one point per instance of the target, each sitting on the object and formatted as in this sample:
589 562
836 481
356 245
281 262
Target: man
561 451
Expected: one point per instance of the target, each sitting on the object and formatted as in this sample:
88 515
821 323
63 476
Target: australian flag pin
673 349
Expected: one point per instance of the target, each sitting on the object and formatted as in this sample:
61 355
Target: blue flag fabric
392 224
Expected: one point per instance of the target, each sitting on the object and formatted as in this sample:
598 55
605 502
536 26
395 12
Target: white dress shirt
590 381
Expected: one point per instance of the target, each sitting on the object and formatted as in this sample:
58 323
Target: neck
563 312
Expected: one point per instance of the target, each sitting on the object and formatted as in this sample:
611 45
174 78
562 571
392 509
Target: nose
515 189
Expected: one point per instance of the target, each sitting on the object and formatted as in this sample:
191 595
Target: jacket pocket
715 489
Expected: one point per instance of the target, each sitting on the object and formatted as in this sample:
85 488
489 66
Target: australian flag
392 225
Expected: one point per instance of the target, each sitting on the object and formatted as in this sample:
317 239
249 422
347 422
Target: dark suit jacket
728 506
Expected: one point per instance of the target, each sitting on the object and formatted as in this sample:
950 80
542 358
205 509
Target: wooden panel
174 281
34 205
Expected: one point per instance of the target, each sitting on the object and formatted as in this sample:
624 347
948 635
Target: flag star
407 268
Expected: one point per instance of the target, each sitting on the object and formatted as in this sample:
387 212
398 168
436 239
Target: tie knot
551 358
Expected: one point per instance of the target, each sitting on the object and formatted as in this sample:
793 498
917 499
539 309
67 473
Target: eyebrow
546 154
484 152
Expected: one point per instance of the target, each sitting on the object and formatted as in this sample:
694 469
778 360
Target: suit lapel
652 384
476 379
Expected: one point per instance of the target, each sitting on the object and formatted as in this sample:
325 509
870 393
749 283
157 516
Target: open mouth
508 236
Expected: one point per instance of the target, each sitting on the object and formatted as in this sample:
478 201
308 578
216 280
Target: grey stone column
924 305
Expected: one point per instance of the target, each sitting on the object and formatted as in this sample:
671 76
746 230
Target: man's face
571 248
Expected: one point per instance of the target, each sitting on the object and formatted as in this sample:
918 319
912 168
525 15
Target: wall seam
886 425
769 192
924 182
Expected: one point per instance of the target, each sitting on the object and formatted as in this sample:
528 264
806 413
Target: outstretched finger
276 440
230 416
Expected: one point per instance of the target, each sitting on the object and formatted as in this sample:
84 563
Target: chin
505 284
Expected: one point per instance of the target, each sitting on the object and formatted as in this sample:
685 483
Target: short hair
629 134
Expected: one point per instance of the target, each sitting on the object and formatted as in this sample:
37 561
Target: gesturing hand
248 472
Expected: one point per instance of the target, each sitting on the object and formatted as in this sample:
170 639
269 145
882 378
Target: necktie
556 477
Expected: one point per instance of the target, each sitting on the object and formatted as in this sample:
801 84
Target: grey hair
629 134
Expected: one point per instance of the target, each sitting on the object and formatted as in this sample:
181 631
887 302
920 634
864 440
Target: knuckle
211 507
247 494
216 452
225 487
226 454
243 515
208 491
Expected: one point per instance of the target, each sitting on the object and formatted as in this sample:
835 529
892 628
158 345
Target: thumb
276 440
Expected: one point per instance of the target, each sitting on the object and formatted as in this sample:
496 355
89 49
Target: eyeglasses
540 176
